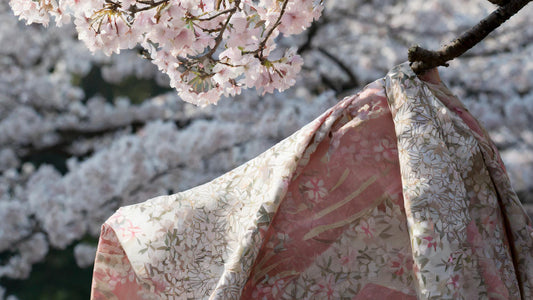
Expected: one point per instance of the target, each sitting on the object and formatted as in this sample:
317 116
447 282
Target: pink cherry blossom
189 40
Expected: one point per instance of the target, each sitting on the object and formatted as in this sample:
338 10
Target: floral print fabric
394 193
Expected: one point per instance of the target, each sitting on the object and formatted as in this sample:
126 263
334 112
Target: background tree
82 134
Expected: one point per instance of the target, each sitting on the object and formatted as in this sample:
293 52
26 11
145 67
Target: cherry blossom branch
259 51
229 10
422 59
189 40
218 39
276 24
151 4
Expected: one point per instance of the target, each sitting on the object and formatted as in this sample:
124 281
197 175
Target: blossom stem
271 30
151 4
229 10
218 39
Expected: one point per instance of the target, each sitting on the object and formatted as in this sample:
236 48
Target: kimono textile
394 193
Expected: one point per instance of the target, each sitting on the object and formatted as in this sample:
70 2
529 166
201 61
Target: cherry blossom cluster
208 48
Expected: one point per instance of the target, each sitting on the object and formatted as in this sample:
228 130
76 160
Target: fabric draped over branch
394 193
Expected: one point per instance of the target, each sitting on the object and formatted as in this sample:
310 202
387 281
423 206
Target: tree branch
276 24
499 2
422 59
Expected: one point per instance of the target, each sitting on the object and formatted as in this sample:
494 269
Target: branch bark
499 2
422 59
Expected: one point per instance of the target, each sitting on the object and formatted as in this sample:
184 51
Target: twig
259 51
229 10
218 39
150 4
276 24
422 59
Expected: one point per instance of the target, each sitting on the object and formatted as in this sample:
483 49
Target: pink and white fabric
394 193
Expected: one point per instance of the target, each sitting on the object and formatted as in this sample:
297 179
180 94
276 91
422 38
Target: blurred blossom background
82 135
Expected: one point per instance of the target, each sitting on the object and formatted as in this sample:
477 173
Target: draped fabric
394 193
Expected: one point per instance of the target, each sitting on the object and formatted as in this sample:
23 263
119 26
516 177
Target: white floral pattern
394 193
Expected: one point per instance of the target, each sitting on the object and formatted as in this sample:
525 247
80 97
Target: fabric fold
219 225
